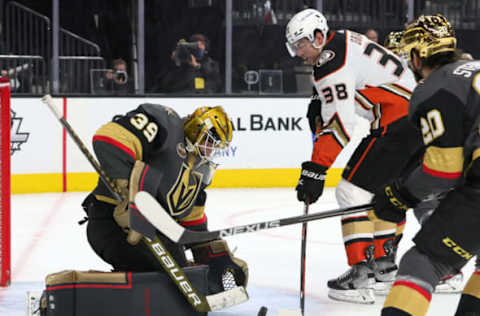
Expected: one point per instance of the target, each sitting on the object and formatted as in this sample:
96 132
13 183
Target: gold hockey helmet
208 129
393 42
429 35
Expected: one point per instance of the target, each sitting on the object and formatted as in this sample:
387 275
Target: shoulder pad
332 57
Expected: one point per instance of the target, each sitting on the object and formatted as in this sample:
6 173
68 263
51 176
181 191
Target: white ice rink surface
46 238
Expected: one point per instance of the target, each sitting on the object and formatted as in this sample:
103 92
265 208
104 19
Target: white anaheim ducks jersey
356 75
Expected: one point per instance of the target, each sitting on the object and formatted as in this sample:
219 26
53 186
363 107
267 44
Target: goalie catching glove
312 180
392 201
226 270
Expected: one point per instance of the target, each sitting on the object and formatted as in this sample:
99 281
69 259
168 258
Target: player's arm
332 133
128 138
314 113
121 146
440 119
337 119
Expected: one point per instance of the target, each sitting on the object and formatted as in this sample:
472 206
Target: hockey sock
406 298
469 304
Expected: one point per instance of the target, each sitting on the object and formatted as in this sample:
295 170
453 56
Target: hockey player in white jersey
355 76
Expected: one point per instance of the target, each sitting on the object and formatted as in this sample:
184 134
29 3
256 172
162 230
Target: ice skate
385 269
385 272
355 285
450 284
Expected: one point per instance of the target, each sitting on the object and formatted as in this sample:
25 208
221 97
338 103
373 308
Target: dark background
256 44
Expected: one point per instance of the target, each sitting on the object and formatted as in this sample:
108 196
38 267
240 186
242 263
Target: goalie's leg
109 241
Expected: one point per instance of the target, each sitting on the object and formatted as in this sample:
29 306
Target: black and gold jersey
446 109
153 134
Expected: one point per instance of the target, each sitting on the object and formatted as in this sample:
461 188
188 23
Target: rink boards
271 139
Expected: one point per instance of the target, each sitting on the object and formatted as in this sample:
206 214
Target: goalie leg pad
449 235
77 293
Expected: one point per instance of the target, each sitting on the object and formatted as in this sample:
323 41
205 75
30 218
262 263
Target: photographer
195 71
116 79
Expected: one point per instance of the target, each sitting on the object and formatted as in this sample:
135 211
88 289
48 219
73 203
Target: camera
184 50
120 76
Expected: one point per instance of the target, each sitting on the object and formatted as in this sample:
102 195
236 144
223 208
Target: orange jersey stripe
391 106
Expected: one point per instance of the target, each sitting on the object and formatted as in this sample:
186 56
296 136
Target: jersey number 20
432 126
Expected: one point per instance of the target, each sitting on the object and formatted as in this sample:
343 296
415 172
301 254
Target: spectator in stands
372 35
116 79
194 71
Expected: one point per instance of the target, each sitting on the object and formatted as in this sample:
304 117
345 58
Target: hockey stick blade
158 217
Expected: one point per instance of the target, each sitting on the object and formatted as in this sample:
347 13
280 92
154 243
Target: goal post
5 182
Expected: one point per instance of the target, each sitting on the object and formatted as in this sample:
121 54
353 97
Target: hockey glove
312 180
226 271
391 202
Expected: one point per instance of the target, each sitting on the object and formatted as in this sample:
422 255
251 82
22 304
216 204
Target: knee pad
419 268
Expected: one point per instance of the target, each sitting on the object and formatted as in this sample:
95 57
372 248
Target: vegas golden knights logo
183 194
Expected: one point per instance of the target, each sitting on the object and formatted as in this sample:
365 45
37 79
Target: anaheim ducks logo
325 57
183 194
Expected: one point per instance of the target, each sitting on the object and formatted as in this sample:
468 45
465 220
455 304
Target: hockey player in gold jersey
445 107
451 283
153 149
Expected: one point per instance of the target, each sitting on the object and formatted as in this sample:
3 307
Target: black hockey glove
312 180
391 201
225 270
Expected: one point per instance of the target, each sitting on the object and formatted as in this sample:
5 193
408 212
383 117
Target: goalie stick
158 217
199 302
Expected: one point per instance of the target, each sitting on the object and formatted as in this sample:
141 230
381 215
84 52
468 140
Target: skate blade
363 296
448 289
382 288
452 285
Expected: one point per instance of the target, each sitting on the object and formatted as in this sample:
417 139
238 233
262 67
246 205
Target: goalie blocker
93 293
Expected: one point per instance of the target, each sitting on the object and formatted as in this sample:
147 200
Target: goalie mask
429 35
207 130
393 43
303 25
